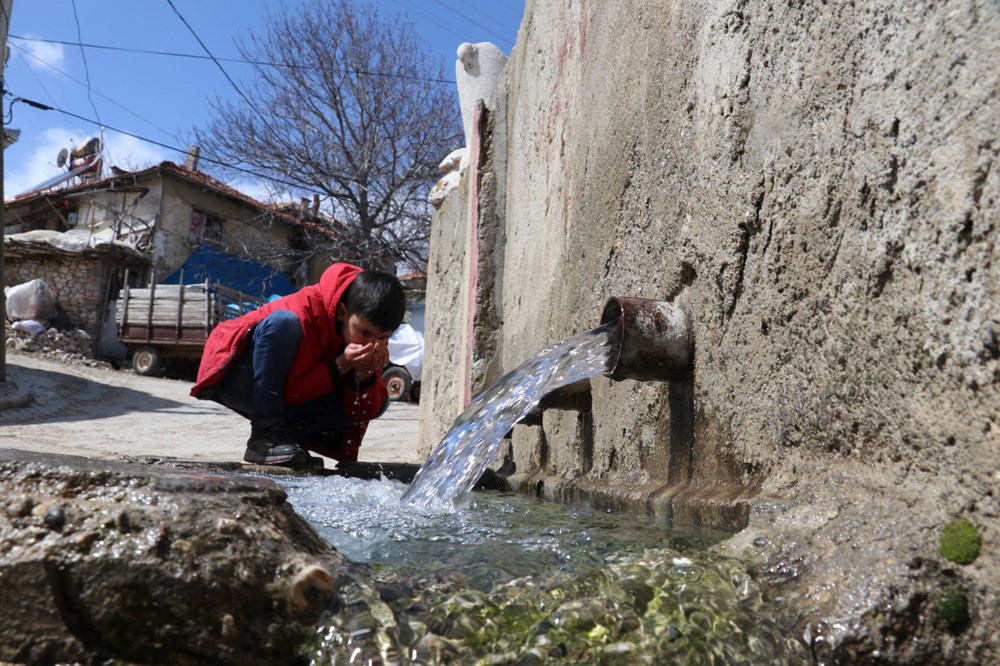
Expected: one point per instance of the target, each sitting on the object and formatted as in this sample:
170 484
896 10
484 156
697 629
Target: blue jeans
254 385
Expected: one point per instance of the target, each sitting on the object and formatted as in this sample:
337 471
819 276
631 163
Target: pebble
55 519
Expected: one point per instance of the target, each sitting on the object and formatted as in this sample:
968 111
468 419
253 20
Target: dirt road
102 413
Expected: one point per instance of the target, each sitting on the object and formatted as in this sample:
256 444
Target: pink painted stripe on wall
472 246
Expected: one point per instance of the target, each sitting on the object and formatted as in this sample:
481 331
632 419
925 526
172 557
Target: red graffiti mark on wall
552 128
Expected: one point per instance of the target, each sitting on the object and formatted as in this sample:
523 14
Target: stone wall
817 185
77 283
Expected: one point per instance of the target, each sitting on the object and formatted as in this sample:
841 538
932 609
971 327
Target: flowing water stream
473 442
494 538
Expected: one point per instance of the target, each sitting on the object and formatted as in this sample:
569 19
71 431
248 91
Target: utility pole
6 7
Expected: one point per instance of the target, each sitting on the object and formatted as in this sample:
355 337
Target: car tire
398 383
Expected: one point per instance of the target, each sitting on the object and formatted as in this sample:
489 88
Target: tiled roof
280 211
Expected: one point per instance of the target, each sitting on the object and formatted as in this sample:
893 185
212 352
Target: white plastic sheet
74 240
406 348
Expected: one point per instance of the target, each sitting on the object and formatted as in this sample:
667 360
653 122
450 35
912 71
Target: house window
213 230
205 228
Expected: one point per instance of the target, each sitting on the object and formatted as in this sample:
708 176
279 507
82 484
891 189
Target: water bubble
685 572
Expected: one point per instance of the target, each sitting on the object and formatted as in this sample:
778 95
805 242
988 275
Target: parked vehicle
167 321
406 359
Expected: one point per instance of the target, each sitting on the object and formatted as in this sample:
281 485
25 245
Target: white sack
30 300
29 326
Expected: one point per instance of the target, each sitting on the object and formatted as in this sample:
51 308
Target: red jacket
321 343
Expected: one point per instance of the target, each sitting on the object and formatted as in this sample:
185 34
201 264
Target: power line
86 69
21 51
431 19
472 21
218 64
195 56
46 107
493 19
20 54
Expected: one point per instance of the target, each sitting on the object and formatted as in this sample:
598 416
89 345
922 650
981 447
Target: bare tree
345 103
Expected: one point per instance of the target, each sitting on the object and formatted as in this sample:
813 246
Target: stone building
87 239
80 279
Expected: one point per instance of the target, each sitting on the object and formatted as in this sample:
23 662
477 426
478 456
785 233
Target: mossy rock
960 541
952 610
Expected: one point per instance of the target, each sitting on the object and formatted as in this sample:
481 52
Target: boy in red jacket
306 369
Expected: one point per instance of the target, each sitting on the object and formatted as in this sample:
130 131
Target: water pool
507 579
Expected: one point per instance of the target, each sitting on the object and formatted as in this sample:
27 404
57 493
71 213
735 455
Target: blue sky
159 97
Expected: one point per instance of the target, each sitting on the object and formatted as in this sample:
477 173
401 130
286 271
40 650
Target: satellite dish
62 157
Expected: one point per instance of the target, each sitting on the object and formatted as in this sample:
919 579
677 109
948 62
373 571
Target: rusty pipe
655 339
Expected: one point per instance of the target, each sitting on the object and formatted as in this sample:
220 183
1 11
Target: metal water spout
656 342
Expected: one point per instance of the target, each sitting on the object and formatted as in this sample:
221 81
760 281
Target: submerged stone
952 610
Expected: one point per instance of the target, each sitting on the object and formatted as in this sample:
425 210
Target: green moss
952 610
960 541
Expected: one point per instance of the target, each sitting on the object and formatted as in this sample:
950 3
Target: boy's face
357 330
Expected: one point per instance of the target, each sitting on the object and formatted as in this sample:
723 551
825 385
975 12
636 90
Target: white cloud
38 164
41 56
133 154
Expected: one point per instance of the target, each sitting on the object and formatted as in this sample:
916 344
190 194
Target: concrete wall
442 390
817 184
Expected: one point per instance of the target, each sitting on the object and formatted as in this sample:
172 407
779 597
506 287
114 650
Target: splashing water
473 442
495 538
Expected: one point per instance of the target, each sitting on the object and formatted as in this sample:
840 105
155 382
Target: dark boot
271 444
325 442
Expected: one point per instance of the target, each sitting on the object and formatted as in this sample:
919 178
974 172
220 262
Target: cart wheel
397 382
146 361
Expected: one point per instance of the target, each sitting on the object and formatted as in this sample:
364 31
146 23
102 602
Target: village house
164 224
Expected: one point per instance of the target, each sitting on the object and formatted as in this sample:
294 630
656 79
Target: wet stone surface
655 608
102 561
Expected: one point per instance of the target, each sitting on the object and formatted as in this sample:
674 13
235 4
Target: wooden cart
167 321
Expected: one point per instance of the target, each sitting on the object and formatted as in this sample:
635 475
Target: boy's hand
364 360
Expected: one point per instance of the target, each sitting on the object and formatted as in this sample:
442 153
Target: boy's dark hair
378 297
